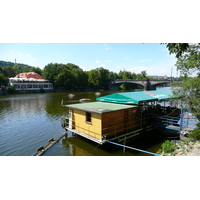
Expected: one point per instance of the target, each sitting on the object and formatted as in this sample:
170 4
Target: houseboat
120 116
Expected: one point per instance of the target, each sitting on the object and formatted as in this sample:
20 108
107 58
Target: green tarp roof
99 107
136 97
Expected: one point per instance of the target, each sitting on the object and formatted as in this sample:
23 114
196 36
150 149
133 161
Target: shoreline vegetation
188 145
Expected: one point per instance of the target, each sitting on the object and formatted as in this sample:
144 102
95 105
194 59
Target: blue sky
112 34
135 57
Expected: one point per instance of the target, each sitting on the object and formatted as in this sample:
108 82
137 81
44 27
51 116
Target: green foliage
3 80
93 78
51 72
12 64
144 74
189 62
177 48
168 147
188 91
66 79
11 90
113 75
80 78
10 69
195 134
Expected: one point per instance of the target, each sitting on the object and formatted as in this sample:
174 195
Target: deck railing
109 131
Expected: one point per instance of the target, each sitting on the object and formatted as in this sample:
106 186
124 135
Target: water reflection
28 121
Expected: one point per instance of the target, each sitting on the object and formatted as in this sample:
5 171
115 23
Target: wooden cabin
99 121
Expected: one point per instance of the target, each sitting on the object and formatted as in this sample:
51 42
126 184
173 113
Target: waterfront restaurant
29 81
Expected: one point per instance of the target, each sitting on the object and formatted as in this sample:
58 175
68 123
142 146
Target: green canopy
136 97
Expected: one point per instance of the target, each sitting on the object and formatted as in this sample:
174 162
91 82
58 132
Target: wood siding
107 124
122 121
92 128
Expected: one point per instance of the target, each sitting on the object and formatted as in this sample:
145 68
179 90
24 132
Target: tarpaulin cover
137 97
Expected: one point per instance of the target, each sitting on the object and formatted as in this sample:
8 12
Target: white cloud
27 55
108 61
97 61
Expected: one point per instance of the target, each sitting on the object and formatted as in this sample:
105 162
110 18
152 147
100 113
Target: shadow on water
79 146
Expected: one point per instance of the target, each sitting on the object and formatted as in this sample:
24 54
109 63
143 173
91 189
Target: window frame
88 117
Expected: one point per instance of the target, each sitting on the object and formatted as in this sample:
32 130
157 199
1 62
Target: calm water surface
28 121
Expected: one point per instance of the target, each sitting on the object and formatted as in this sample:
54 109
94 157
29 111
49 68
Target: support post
181 120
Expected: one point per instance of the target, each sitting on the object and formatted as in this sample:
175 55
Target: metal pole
181 120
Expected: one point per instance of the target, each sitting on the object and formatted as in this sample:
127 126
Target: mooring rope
155 154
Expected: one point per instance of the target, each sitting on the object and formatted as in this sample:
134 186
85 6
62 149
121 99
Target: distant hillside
11 64
10 69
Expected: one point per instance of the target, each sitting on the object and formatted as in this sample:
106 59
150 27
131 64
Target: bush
11 90
167 147
195 134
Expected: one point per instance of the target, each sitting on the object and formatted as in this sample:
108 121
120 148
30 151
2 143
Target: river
28 121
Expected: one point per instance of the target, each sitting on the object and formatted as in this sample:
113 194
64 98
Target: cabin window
88 117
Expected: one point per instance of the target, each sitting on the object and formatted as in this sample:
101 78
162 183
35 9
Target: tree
93 78
66 79
25 69
8 71
3 80
103 77
125 75
80 81
112 75
72 66
51 71
144 74
177 48
188 92
36 69
17 69
189 62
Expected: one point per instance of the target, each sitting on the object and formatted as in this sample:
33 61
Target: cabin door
70 119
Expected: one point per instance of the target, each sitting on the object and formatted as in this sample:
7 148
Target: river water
28 121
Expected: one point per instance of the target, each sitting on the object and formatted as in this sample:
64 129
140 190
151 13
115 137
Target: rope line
155 154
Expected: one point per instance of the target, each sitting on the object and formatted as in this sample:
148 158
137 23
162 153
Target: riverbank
193 149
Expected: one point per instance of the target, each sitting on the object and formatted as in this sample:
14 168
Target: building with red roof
29 75
30 81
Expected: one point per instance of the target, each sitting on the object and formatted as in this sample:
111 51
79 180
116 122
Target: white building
30 81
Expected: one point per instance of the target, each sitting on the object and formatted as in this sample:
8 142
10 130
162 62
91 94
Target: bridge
146 83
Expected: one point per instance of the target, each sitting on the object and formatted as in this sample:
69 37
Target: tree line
70 76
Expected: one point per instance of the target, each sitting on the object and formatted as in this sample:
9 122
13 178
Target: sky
111 34
153 58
